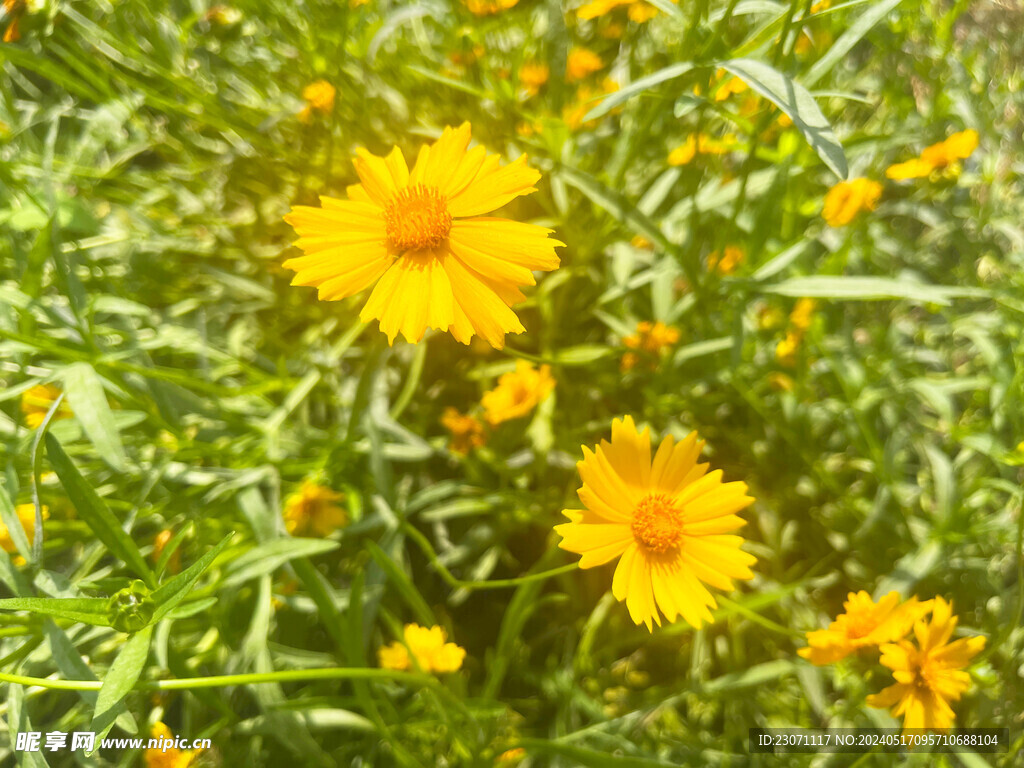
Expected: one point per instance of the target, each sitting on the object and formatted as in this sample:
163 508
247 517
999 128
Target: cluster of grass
148 152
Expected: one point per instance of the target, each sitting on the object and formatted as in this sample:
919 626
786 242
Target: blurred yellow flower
864 623
517 392
467 431
429 649
13 9
726 261
586 100
27 515
581 62
653 339
848 198
512 755
728 85
172 757
160 542
929 674
641 242
668 520
420 236
945 154
803 314
312 511
532 76
319 96
639 11
489 7
702 144
36 403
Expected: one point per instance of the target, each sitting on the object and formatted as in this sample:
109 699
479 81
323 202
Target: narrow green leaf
612 100
793 99
13 524
267 558
94 512
869 289
120 679
842 46
88 610
177 589
404 585
88 401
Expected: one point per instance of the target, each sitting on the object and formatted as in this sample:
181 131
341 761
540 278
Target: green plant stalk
37 463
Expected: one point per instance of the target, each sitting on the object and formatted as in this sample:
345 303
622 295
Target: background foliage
148 152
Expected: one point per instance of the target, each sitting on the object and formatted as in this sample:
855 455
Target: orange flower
467 431
532 76
944 154
581 62
726 261
848 198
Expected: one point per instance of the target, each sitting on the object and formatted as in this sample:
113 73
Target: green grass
147 157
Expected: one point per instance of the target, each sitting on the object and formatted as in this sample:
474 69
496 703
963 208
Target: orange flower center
416 218
657 523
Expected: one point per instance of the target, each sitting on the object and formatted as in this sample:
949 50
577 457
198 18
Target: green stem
411 381
37 462
452 581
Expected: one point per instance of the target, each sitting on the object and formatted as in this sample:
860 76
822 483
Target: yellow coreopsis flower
729 86
929 674
517 393
13 9
532 76
37 401
702 144
429 649
668 521
489 7
467 431
945 154
726 261
580 63
587 98
312 511
27 516
803 314
785 350
157 757
848 198
652 339
511 755
319 96
864 624
639 11
421 237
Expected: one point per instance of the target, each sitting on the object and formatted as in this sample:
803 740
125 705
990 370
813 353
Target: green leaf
267 558
869 289
844 44
793 99
612 100
95 513
10 519
177 589
405 586
120 679
88 610
88 401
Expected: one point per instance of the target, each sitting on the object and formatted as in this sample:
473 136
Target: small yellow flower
702 144
821 5
27 515
37 401
581 62
848 198
639 11
13 9
864 624
517 393
312 511
929 674
319 96
785 350
532 76
803 314
780 382
728 85
945 154
668 520
429 648
651 338
467 431
726 261
223 15
172 757
511 755
489 7
421 237
586 100
641 242
160 542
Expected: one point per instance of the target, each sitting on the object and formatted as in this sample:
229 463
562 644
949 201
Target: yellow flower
439 262
929 674
312 511
511 755
638 10
863 624
428 647
728 86
702 144
581 62
785 350
945 154
533 75
669 522
467 431
27 515
489 7
517 393
160 542
726 261
803 314
172 757
37 401
848 198
641 242
587 98
319 96
650 338
14 9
